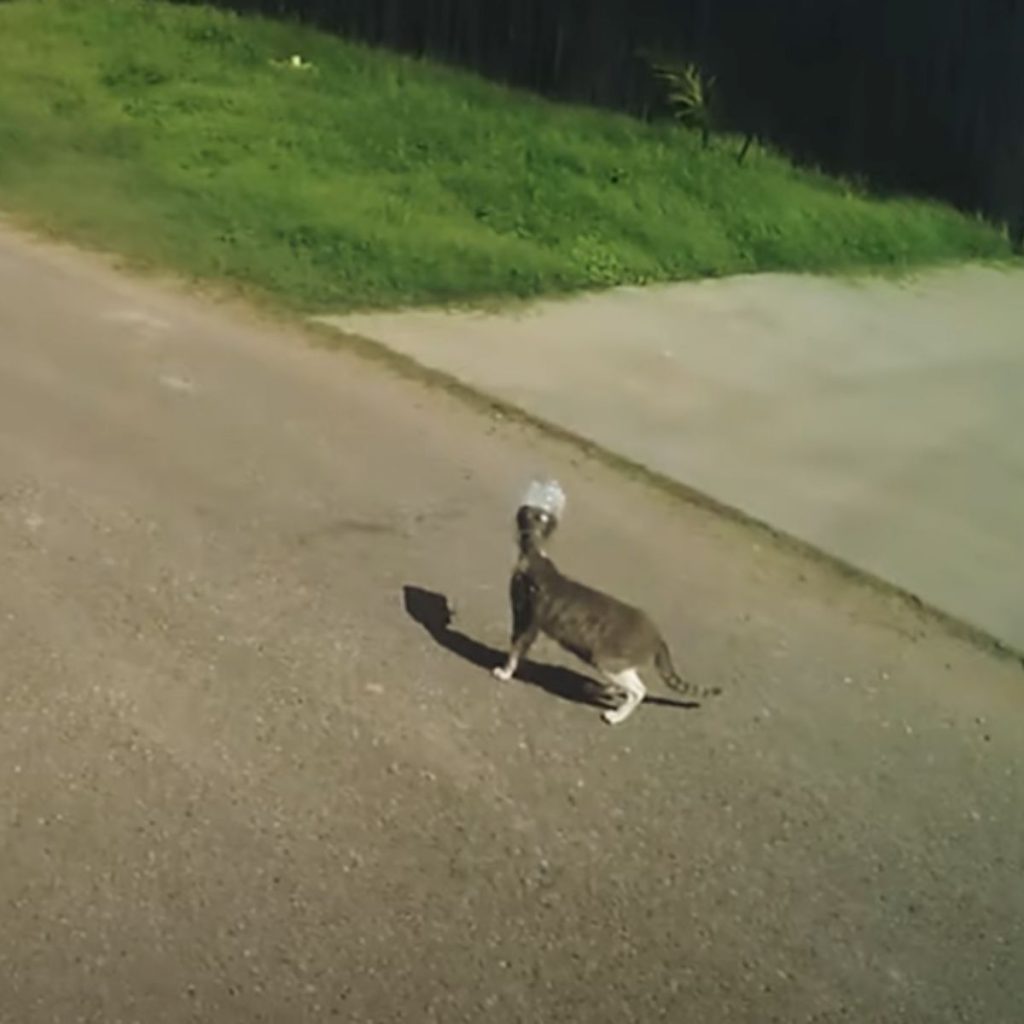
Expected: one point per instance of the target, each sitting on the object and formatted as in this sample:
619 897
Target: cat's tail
667 671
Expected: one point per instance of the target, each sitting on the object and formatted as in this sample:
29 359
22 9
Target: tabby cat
611 636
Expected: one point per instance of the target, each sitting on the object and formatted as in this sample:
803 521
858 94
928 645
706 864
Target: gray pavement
881 422
248 775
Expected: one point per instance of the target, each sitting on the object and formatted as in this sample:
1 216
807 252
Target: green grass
170 135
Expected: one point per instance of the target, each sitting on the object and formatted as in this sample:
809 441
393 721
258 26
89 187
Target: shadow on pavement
432 612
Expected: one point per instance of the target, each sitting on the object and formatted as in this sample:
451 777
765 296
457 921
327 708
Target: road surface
249 774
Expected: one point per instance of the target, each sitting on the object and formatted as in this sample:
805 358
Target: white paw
616 716
501 673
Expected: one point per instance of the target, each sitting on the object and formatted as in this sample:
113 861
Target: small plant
689 93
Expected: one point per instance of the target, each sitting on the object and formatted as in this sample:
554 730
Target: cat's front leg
520 645
507 671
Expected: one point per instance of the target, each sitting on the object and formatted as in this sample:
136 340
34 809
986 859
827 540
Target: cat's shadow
433 613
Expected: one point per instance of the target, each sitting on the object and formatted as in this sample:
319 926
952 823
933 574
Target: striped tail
667 671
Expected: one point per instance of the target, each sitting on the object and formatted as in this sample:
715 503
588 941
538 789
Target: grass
182 138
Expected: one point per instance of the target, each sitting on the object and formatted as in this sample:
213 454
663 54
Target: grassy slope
168 134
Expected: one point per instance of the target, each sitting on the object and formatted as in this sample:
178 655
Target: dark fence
916 95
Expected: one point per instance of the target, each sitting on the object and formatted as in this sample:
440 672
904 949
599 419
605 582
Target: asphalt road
248 775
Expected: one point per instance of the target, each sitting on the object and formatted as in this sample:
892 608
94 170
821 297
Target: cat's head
540 510
534 526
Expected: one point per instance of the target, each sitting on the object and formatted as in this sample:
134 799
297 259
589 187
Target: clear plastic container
546 495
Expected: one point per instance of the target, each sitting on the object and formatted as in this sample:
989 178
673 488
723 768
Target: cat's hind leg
633 685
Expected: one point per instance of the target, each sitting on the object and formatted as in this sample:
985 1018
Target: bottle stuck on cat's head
540 510
545 496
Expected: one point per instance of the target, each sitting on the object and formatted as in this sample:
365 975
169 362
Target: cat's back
595 626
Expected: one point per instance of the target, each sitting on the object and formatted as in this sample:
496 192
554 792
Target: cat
611 636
